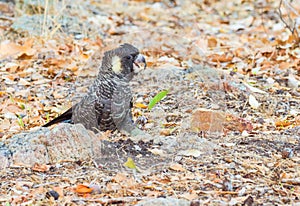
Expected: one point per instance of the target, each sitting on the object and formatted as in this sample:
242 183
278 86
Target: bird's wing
121 107
85 112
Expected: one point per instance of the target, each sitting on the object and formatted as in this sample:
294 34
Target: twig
295 181
45 18
293 28
106 201
6 18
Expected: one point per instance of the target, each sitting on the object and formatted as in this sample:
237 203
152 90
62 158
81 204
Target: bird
108 102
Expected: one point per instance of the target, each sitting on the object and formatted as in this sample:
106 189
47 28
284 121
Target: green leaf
20 121
157 98
11 98
47 117
22 106
131 165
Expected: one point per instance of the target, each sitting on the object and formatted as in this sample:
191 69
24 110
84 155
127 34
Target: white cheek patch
116 64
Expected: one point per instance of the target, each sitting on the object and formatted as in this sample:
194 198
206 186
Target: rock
190 144
208 120
185 144
5 154
217 121
72 143
65 142
165 75
25 149
32 24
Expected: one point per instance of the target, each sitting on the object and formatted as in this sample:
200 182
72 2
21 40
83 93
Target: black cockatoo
108 103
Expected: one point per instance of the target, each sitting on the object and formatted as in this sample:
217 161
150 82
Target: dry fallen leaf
253 102
190 196
8 48
165 132
254 89
177 167
156 151
191 152
40 167
140 105
83 190
212 42
120 177
283 123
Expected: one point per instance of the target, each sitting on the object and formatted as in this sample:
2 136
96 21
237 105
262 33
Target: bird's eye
129 57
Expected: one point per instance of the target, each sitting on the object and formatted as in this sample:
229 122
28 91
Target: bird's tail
64 117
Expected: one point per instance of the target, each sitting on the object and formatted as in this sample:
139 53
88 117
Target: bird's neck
104 77
110 82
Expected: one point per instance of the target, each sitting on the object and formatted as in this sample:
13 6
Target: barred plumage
107 105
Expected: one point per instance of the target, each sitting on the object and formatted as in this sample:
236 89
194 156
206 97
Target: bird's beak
140 59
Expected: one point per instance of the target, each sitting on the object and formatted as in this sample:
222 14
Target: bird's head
124 61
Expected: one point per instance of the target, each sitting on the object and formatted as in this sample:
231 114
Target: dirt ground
227 133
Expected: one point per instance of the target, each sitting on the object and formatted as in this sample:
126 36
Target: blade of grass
20 121
157 98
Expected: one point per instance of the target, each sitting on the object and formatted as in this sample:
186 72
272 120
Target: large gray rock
65 142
